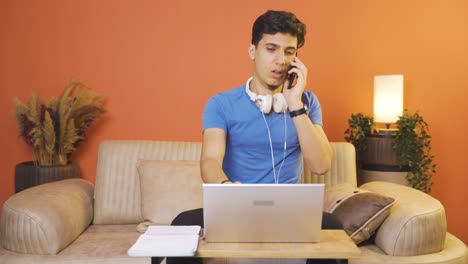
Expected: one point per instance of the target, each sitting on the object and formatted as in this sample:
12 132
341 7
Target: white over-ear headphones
279 105
267 101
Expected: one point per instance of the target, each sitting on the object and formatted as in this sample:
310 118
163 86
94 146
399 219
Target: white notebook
167 241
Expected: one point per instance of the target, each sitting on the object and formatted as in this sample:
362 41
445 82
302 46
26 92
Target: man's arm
213 150
315 147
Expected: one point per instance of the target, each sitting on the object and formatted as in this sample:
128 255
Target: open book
166 241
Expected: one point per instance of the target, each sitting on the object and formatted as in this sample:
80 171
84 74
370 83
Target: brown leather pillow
360 211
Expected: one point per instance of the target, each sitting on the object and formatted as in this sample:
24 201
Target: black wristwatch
297 112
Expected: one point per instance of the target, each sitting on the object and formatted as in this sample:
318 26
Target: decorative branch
55 128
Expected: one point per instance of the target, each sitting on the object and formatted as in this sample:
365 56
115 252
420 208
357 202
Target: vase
28 175
380 162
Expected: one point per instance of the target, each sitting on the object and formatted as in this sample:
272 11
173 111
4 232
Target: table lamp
388 100
380 162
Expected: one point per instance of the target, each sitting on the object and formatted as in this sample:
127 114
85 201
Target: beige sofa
72 221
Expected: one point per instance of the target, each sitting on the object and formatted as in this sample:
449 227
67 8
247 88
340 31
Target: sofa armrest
46 218
416 224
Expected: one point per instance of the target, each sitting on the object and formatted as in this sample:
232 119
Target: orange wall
157 62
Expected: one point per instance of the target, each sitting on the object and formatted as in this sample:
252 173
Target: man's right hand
230 182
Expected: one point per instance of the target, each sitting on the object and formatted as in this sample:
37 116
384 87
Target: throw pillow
168 187
360 211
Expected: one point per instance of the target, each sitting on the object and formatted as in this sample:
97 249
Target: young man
236 132
261 132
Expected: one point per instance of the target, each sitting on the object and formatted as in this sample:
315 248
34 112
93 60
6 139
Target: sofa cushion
46 218
117 194
168 187
416 224
98 244
361 212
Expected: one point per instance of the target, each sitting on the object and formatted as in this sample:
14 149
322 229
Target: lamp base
386 131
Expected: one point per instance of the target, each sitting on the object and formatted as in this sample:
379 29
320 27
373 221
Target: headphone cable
276 176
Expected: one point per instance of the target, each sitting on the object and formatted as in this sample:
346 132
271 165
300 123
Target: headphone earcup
279 103
265 102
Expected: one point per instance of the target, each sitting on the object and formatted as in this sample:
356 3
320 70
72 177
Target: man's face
272 57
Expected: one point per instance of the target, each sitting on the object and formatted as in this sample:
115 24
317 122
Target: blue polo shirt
248 153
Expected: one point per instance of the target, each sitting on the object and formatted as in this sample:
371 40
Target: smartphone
291 78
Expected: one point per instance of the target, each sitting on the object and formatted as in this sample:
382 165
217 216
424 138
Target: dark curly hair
272 22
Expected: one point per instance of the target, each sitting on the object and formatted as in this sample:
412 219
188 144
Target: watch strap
297 112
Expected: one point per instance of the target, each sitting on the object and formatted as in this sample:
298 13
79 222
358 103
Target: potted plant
411 145
360 125
54 129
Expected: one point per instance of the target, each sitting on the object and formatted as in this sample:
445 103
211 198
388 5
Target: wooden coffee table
334 244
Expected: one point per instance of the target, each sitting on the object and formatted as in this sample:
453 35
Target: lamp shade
388 98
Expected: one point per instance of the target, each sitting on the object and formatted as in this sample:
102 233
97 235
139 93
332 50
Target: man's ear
251 51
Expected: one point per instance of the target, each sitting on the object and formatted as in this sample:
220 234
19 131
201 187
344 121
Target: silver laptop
262 212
